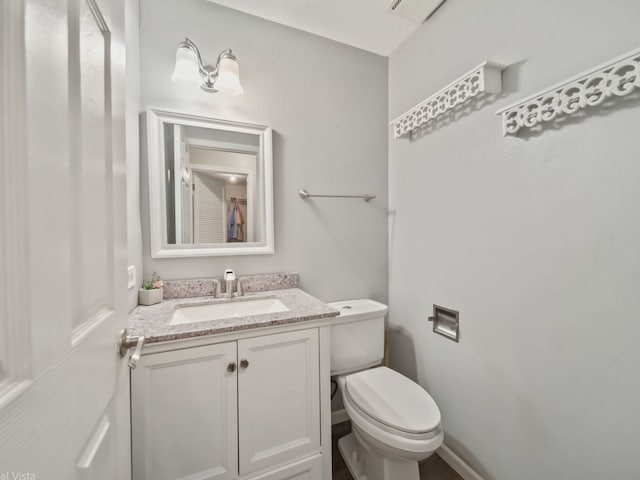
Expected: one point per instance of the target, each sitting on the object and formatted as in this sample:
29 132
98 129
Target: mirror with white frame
210 186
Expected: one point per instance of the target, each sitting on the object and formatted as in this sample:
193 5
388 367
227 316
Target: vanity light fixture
224 77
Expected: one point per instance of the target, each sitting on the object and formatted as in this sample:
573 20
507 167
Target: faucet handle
229 275
217 288
239 289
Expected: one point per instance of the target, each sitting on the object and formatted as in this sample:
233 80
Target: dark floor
433 468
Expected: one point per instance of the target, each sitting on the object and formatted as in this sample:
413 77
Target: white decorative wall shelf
617 77
486 77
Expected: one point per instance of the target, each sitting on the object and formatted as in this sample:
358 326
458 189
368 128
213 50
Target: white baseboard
459 465
339 416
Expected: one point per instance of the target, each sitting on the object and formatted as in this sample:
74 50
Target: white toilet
395 422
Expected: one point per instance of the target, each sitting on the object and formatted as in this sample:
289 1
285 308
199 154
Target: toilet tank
357 335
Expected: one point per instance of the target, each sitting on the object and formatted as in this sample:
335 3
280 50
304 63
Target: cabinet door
278 398
184 415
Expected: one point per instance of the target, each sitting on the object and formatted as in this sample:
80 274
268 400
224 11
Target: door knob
231 367
126 342
244 363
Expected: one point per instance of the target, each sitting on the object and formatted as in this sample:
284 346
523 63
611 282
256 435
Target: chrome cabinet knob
231 367
244 363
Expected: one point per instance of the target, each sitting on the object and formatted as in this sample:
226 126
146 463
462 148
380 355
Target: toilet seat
393 402
392 442
360 417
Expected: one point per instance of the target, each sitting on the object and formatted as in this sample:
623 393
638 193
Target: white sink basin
233 309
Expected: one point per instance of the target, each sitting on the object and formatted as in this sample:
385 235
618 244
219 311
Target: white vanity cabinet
248 408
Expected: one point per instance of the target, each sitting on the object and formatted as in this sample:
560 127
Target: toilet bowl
395 422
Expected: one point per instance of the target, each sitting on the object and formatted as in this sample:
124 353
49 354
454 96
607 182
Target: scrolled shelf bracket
486 77
616 78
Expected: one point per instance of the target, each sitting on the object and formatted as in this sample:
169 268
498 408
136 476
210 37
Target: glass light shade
186 71
228 81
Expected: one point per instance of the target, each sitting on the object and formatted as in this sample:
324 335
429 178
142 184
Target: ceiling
360 23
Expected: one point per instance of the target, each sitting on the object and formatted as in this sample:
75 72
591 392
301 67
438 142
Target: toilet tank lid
351 310
393 399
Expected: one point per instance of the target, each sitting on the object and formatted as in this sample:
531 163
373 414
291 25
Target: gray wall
534 239
327 105
134 230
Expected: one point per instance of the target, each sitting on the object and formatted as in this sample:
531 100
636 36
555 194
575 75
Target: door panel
96 460
208 205
184 415
90 173
279 398
47 156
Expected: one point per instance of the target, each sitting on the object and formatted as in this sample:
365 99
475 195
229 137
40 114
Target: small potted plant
151 291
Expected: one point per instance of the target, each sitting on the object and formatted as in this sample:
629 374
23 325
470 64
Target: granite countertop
153 321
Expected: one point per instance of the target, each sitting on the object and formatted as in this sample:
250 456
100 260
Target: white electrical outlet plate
131 271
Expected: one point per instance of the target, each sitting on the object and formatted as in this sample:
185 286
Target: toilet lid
394 400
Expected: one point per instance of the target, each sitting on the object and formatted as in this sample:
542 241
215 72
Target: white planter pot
149 297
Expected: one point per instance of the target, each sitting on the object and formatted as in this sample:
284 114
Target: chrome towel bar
366 196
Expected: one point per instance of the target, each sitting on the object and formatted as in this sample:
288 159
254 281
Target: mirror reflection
211 183
210 186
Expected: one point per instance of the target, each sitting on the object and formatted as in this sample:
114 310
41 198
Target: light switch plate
131 271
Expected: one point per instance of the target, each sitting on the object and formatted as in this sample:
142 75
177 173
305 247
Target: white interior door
63 388
208 205
178 149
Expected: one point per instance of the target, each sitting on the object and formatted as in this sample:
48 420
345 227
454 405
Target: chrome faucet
230 278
